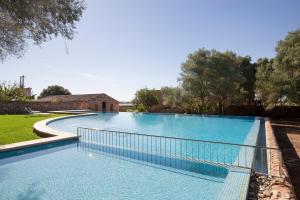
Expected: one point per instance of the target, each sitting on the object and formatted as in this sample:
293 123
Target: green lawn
18 128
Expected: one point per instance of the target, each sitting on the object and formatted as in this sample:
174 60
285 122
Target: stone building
95 102
27 92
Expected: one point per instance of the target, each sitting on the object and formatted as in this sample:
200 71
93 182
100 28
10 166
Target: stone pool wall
277 185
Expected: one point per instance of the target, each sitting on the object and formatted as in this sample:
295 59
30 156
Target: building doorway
111 109
104 106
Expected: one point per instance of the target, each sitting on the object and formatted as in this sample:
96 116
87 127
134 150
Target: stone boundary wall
275 166
276 112
279 181
277 185
241 110
19 107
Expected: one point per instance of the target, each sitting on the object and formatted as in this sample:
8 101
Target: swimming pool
82 170
213 128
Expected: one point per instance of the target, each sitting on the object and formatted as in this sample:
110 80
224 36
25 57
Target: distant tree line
210 81
54 90
13 92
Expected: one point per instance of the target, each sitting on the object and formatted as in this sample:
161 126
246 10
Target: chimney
22 81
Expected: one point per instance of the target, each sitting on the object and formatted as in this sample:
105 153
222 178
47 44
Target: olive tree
145 99
278 80
179 99
54 90
22 21
213 78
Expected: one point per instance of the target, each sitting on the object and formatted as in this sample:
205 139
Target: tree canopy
38 21
177 98
11 92
263 86
248 70
278 79
287 65
54 90
145 99
213 78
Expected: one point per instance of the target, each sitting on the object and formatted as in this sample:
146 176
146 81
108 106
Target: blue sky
124 45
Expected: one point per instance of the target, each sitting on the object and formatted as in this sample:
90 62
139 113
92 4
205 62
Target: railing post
231 154
238 155
210 152
217 152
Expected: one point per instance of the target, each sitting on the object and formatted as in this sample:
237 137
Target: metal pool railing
164 149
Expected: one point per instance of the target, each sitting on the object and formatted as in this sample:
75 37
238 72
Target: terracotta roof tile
76 97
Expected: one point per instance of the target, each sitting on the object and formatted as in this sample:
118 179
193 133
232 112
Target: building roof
76 97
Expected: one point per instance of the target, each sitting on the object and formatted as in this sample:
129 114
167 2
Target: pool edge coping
50 135
245 181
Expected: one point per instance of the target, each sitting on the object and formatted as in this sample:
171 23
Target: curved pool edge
49 134
42 129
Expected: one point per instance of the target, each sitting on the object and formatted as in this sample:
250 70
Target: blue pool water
83 170
212 128
69 172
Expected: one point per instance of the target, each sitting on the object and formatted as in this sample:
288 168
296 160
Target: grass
18 128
